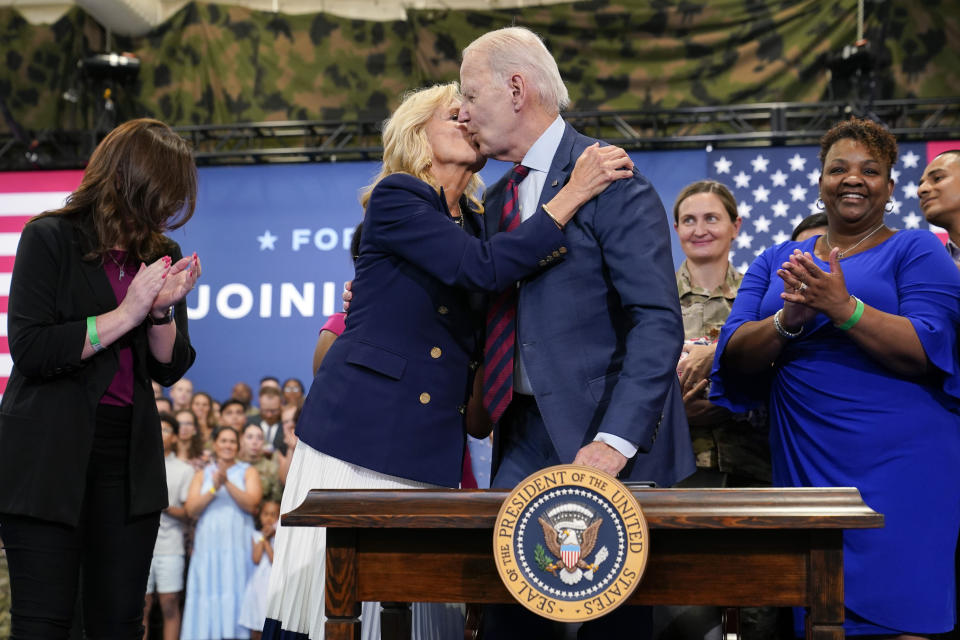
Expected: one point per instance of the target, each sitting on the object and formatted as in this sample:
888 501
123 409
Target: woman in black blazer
96 311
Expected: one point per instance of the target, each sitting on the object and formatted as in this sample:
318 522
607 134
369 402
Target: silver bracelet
789 335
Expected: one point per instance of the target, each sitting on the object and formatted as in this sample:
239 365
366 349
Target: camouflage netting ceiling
220 64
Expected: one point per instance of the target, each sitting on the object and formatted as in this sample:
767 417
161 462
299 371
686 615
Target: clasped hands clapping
808 290
158 286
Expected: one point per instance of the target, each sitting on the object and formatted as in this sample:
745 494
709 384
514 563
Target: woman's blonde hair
405 145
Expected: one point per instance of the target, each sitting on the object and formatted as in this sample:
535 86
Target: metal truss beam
766 124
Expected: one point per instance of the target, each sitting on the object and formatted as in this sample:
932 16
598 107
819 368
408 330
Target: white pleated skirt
295 596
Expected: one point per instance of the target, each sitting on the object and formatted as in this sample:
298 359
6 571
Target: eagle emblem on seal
570 532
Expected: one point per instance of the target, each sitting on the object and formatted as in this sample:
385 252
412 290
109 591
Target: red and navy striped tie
501 317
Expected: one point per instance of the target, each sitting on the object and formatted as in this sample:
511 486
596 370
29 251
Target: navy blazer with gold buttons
48 410
391 392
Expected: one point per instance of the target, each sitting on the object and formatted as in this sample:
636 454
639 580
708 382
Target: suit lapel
561 167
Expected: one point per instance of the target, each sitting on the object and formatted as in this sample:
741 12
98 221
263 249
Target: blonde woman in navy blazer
387 406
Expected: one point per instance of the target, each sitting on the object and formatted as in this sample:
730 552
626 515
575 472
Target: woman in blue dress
852 337
223 495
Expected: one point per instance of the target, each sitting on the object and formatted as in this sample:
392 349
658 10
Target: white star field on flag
776 188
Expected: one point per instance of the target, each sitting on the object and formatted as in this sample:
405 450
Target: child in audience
253 609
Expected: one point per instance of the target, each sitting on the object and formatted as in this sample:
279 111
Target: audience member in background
851 338
241 391
251 452
269 381
215 413
292 392
939 194
202 406
254 609
180 393
288 420
95 313
157 389
168 564
222 497
191 445
420 254
233 413
814 224
731 451
271 400
164 405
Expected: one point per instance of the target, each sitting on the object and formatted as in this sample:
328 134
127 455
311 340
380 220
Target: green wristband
855 318
92 334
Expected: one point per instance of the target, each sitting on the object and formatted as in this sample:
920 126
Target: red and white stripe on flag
570 555
23 194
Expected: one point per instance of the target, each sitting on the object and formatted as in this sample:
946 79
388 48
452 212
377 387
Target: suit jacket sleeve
183 353
405 216
634 235
42 344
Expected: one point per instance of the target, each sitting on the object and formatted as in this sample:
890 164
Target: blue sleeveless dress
221 564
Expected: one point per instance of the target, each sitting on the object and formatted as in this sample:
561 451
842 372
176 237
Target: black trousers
107 555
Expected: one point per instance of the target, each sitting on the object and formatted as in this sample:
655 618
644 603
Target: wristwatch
166 319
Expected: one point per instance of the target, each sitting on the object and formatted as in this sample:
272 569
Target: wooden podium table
724 547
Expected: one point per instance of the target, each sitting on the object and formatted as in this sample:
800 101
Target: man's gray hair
517 49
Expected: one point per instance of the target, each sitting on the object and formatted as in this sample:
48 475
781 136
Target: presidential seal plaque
570 543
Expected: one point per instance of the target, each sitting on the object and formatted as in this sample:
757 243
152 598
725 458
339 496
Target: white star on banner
796 220
758 251
910 190
744 209
722 165
267 240
744 240
797 162
780 236
779 179
742 180
798 193
759 163
743 267
910 160
780 209
912 220
760 194
761 224
814 177
894 174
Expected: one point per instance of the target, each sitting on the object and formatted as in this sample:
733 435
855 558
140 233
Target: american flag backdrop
22 196
776 188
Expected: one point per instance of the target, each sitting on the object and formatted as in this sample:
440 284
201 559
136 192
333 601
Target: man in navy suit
598 333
